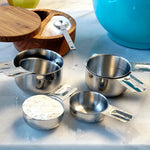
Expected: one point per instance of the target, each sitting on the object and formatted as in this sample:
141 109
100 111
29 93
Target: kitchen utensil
46 112
24 3
18 24
40 83
60 24
44 75
53 42
127 21
92 107
111 75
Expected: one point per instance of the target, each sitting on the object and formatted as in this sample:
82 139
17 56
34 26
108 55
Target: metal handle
10 70
63 91
132 83
61 25
143 67
117 113
67 37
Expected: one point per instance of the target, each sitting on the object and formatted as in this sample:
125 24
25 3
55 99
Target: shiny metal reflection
111 75
39 66
92 107
46 67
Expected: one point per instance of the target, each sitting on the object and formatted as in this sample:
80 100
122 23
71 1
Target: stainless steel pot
41 70
92 107
111 75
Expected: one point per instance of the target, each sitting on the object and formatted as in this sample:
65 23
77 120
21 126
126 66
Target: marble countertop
91 38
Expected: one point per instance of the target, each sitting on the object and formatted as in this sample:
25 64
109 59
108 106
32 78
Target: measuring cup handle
142 67
117 113
132 83
64 91
68 38
16 72
10 70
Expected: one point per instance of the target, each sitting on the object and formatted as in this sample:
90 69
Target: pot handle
117 113
10 70
141 67
132 83
63 91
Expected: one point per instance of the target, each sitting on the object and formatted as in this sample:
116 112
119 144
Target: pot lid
18 24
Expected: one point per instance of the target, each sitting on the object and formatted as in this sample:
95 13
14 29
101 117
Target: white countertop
72 134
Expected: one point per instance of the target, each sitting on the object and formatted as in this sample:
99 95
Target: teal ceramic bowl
127 21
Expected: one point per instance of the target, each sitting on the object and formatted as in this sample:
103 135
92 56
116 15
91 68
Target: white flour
42 107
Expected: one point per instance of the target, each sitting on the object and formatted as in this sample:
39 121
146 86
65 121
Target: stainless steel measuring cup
92 107
45 112
62 25
43 70
111 75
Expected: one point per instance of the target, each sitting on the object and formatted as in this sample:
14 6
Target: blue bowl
127 21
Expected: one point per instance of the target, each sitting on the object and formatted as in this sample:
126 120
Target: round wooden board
18 24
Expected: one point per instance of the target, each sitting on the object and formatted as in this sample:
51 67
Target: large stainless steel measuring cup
92 107
111 75
40 70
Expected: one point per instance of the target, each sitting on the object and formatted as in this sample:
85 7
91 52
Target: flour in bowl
42 107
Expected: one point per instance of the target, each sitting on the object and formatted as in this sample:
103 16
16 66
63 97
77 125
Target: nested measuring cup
111 75
35 70
92 106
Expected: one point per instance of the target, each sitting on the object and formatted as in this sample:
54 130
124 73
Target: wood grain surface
18 24
56 43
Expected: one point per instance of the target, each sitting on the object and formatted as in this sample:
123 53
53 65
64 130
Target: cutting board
18 24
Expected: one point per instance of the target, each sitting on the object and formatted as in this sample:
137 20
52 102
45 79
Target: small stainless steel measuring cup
111 75
62 25
39 66
41 120
92 107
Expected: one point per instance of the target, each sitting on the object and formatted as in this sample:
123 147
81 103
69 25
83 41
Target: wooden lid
18 24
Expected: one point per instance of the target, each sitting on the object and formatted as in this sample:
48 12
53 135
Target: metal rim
93 73
89 113
17 63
